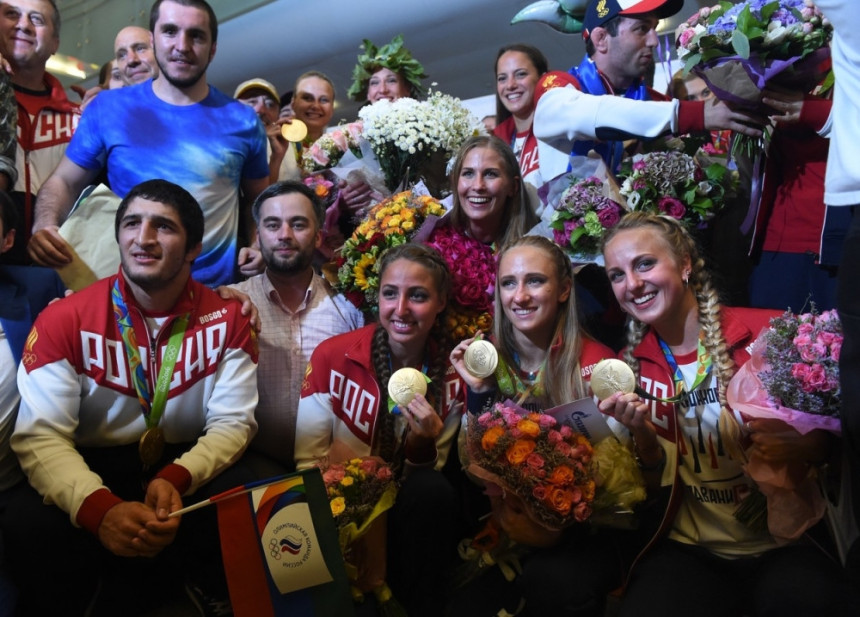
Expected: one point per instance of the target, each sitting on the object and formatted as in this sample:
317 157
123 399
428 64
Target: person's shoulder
741 323
556 79
656 95
593 351
342 344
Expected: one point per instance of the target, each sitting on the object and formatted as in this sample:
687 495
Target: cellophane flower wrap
792 375
473 279
793 372
389 223
690 189
414 139
327 151
360 491
582 215
738 48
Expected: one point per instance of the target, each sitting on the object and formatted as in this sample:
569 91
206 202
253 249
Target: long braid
433 262
438 363
635 333
380 357
711 324
682 245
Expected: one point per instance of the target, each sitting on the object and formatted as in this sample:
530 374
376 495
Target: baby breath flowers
406 134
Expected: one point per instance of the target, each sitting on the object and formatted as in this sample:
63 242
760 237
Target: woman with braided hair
344 412
684 347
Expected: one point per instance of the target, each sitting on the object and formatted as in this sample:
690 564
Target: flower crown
392 56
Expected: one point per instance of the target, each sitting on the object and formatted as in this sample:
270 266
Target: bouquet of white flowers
414 139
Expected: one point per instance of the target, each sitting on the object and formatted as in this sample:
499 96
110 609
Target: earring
686 278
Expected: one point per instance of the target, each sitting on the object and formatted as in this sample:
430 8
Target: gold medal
405 383
611 376
294 132
481 358
151 445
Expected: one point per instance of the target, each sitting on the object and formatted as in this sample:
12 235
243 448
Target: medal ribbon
703 370
152 407
510 383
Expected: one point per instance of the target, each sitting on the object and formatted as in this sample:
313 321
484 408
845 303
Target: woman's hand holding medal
475 360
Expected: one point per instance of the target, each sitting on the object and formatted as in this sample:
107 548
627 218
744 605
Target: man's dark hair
197 4
169 194
611 28
287 187
8 215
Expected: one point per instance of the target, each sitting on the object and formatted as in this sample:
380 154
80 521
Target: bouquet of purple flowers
738 49
583 214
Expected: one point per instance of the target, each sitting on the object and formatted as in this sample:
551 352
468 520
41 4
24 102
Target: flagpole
238 490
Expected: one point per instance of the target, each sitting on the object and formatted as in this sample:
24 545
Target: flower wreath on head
392 56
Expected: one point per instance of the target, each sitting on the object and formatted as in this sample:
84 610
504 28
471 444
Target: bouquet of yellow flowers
390 223
360 491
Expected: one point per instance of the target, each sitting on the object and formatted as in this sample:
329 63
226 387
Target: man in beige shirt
298 310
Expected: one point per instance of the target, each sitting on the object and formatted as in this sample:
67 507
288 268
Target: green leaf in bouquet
692 60
740 42
746 19
690 196
716 172
769 9
576 234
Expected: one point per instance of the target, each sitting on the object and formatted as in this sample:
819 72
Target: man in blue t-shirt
176 127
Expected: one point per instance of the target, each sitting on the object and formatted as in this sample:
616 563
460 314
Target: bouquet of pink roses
793 372
792 375
327 151
473 279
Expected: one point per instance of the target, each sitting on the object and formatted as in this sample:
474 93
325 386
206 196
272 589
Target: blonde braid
635 333
708 303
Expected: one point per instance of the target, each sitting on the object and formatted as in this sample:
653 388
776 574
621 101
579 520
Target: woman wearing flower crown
386 73
344 413
685 347
545 360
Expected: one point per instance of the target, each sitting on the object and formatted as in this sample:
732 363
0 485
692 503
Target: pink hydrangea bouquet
582 215
676 184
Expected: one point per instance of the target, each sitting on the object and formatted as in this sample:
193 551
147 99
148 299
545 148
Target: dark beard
297 263
181 84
